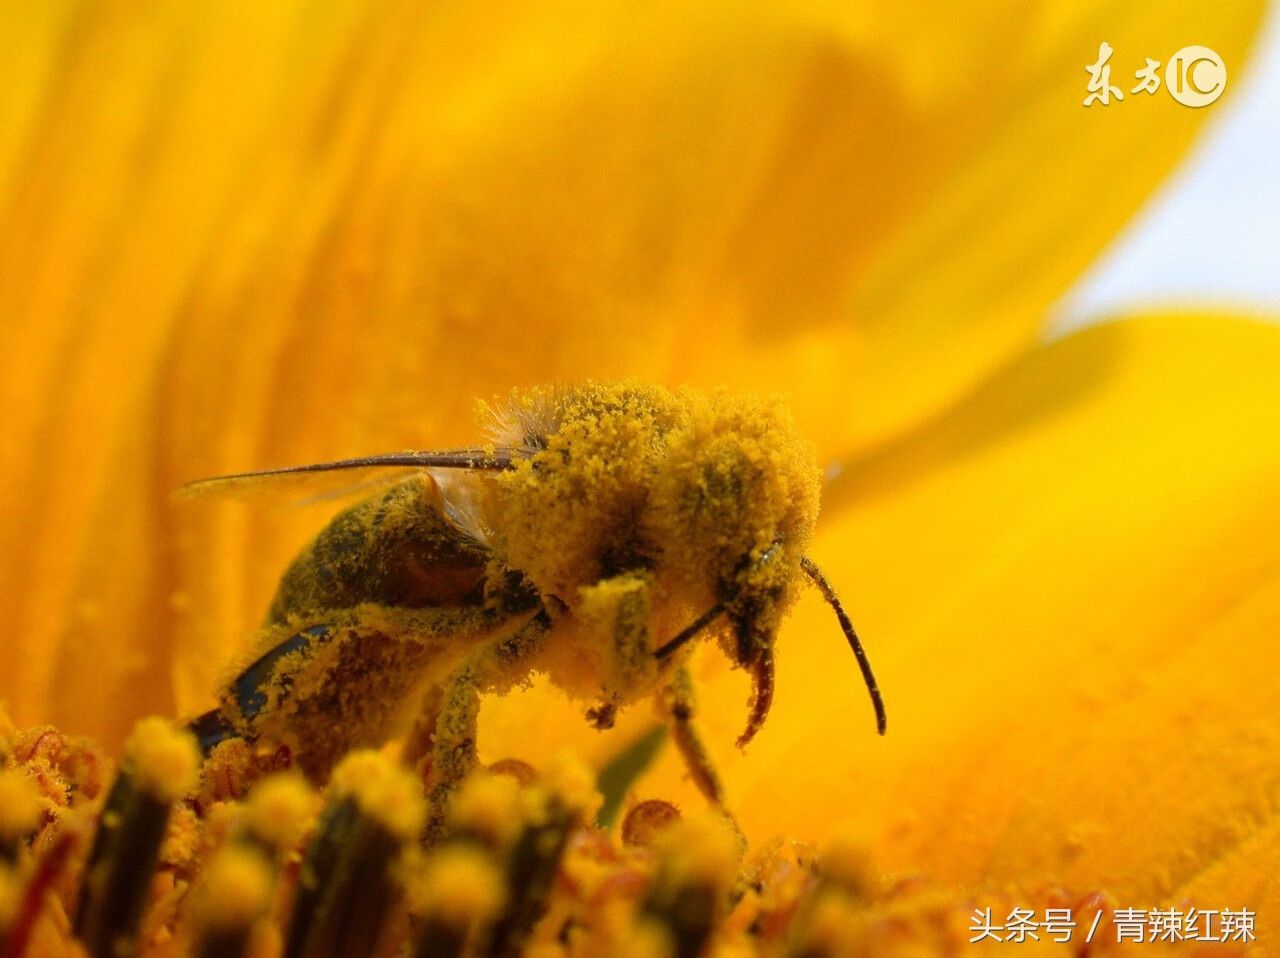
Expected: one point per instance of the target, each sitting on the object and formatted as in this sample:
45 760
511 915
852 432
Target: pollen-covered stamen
19 813
488 820
487 811
234 896
568 797
698 861
228 908
320 874
454 894
534 861
345 887
161 765
829 919
277 811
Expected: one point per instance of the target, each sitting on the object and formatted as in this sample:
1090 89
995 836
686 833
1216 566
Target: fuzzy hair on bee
601 530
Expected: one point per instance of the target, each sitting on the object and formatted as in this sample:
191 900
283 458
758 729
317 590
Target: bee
600 531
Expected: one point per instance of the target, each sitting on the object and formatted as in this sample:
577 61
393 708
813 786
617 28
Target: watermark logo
1195 76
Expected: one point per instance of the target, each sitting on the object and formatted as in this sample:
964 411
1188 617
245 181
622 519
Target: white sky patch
1210 238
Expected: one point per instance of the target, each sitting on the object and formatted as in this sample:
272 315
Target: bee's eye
750 564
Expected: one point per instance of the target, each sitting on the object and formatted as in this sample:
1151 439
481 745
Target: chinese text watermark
1129 924
1195 76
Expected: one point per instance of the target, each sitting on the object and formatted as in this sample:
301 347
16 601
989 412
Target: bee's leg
497 665
620 608
623 605
678 703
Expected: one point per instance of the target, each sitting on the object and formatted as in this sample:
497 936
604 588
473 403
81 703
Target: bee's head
734 508
734 511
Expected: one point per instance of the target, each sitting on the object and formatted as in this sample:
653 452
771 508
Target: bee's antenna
829 594
692 629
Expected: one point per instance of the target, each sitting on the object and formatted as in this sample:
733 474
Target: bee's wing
326 480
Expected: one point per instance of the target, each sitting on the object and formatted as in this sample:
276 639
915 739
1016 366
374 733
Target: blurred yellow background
241 236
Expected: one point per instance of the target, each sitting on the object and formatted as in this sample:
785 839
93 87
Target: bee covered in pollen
603 529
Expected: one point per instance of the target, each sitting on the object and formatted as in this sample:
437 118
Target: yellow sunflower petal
1017 211
294 232
1070 590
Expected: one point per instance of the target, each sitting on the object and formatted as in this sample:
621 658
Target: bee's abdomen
395 549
